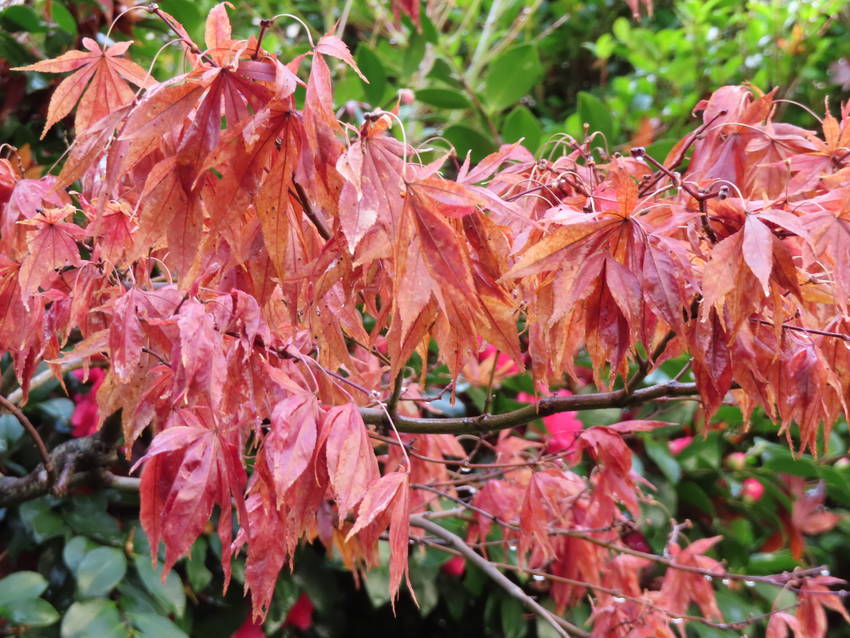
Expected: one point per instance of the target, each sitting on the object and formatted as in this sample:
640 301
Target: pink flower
505 366
84 418
677 445
564 427
455 566
737 460
300 614
752 490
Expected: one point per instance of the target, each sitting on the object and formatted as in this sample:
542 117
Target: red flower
300 614
249 630
455 566
564 427
84 418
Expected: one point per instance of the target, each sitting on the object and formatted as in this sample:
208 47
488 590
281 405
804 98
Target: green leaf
58 410
196 569
63 18
170 593
371 67
787 464
41 520
186 13
75 550
100 570
443 98
33 612
511 76
660 454
465 138
88 517
521 123
97 617
377 583
413 54
20 17
771 562
695 496
595 112
10 431
153 626
512 615
21 586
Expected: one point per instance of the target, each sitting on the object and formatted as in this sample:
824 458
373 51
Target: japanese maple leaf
810 167
352 466
681 588
52 245
103 71
815 597
386 503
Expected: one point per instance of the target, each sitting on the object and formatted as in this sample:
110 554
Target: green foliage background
482 72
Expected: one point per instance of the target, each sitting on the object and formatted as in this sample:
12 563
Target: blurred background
470 74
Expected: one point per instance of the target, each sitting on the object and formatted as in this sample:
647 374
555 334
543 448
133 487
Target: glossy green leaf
32 612
465 138
692 494
93 618
153 626
21 586
75 550
521 123
20 17
771 562
58 410
511 76
595 112
42 521
100 570
196 569
512 614
443 98
371 67
170 593
63 18
10 430
660 454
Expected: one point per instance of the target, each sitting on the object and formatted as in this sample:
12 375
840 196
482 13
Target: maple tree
261 291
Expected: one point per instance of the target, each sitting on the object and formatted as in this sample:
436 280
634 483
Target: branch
560 625
521 416
90 454
50 474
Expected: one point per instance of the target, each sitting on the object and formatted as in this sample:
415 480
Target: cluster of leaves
272 294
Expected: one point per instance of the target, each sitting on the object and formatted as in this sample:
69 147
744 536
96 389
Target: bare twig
36 437
563 627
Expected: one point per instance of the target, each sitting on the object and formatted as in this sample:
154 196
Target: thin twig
36 437
563 627
302 198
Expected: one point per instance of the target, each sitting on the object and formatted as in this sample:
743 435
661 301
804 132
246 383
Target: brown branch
563 627
302 198
90 454
524 415
50 473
